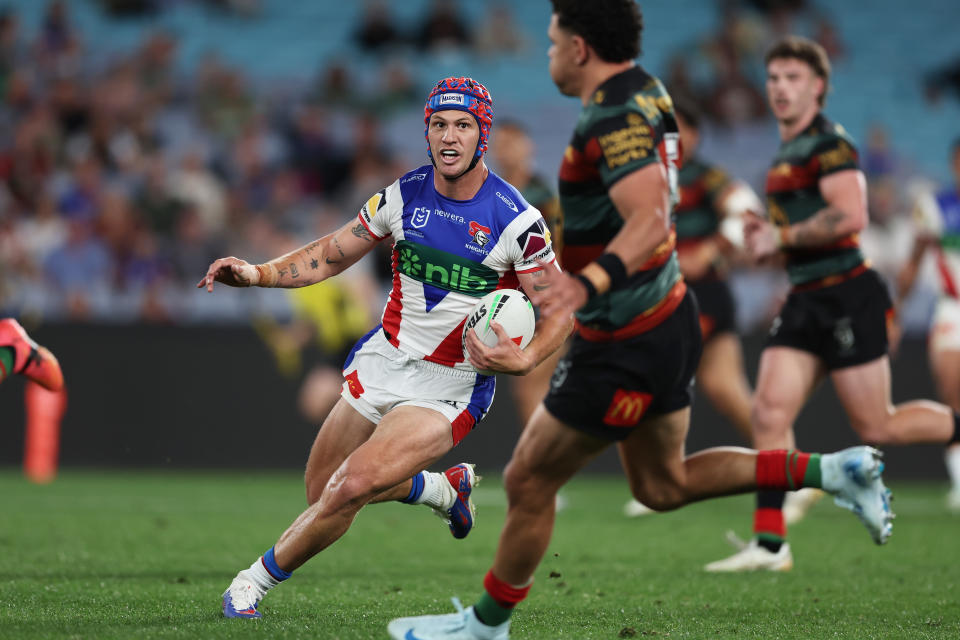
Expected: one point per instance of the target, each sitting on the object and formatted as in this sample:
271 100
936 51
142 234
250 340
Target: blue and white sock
431 489
265 573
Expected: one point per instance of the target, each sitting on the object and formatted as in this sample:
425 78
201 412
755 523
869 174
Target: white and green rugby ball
511 309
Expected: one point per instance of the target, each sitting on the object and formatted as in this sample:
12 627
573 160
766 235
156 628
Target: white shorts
945 330
379 377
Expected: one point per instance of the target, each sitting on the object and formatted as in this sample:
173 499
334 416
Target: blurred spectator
945 79
443 28
377 30
879 160
80 266
499 33
195 186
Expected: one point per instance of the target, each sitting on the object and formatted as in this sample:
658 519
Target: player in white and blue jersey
937 220
410 395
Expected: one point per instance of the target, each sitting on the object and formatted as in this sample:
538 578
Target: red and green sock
7 358
498 600
779 471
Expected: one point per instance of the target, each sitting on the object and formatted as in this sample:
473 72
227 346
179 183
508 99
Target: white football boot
242 598
752 557
462 625
853 477
796 504
634 509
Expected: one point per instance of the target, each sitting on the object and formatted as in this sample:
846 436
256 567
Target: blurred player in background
45 398
513 151
835 320
410 395
628 374
937 219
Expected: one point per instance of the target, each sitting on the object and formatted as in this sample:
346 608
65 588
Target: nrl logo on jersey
479 233
420 217
507 201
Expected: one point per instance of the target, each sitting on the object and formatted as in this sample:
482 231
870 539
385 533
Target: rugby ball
511 309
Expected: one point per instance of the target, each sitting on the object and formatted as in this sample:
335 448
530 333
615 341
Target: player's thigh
652 455
721 364
864 392
342 432
550 452
408 439
945 364
785 380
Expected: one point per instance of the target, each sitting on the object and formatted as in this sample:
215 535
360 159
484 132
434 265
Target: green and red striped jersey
793 195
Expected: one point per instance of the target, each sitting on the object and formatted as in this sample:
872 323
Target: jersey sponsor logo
507 201
445 270
451 98
416 176
633 142
479 233
626 408
534 240
374 204
440 213
420 217
842 155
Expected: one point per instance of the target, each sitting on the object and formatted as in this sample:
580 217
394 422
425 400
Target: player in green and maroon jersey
834 321
627 376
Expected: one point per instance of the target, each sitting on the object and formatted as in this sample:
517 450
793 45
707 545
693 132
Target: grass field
147 555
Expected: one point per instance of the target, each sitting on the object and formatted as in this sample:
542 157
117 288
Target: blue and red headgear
463 94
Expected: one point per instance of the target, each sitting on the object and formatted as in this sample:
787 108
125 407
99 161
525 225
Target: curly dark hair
611 27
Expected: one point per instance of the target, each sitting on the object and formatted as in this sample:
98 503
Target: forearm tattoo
821 229
361 232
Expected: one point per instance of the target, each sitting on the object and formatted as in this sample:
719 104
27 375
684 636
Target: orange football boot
30 359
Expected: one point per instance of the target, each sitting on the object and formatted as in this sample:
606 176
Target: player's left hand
505 357
759 236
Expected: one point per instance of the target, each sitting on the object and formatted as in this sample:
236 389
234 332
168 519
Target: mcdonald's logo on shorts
626 408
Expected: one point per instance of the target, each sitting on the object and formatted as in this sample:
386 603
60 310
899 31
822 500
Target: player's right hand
230 271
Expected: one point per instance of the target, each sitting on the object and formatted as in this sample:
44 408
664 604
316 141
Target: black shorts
607 388
843 324
717 310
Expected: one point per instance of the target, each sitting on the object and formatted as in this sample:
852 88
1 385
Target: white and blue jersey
447 254
939 216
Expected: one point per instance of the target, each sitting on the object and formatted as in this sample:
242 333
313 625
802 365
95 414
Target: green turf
138 555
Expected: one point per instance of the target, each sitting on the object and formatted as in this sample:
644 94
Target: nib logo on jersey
444 270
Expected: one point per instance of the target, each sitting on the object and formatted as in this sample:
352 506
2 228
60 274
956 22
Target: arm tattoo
281 272
314 264
820 229
337 244
541 287
294 273
310 247
361 232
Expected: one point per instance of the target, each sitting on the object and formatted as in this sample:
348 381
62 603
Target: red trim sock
497 603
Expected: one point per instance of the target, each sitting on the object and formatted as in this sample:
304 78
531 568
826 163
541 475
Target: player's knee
660 496
768 419
348 491
522 484
877 431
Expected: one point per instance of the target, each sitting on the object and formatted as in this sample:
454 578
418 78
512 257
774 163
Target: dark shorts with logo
717 310
608 388
844 324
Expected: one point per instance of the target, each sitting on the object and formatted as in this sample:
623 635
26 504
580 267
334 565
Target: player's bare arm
642 199
310 264
550 333
846 212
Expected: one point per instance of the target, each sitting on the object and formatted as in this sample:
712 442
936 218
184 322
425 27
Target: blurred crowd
122 177
120 181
